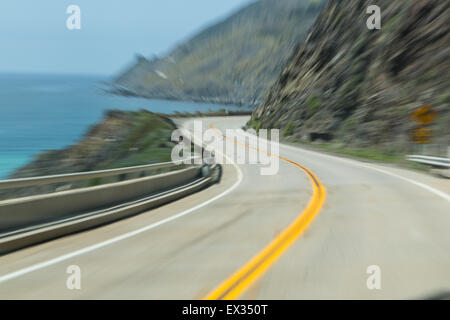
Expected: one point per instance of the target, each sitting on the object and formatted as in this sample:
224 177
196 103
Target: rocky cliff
357 86
231 62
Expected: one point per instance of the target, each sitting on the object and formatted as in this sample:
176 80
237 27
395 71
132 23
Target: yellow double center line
243 278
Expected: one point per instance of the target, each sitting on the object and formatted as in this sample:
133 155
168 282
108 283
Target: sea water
48 112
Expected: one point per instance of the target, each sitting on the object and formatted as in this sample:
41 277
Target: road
396 219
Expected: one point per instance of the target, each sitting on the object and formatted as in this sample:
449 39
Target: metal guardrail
26 182
432 161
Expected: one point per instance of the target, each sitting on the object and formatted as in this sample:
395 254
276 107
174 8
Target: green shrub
255 124
289 130
313 102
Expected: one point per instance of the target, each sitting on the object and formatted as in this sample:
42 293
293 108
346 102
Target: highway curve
308 232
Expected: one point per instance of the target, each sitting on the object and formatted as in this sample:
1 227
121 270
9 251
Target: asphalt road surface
308 232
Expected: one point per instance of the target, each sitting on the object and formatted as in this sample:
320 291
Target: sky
34 36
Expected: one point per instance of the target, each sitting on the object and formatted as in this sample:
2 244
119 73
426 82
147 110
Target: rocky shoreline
121 139
227 101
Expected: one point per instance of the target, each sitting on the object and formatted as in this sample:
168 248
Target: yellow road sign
424 115
422 135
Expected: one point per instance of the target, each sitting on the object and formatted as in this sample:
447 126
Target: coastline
246 104
42 112
120 139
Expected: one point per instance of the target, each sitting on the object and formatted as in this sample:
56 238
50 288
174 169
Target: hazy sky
34 36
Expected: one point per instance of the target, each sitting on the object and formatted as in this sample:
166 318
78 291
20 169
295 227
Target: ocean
48 112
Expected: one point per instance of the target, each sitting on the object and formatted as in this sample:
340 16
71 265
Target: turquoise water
48 112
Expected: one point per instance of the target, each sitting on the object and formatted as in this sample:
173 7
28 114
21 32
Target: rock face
232 62
359 86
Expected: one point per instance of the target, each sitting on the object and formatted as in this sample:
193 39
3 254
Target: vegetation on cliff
122 139
357 86
232 62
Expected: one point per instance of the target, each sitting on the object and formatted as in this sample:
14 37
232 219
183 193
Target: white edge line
419 184
437 192
45 264
127 235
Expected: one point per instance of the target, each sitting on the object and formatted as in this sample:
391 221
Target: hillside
122 139
231 62
357 86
